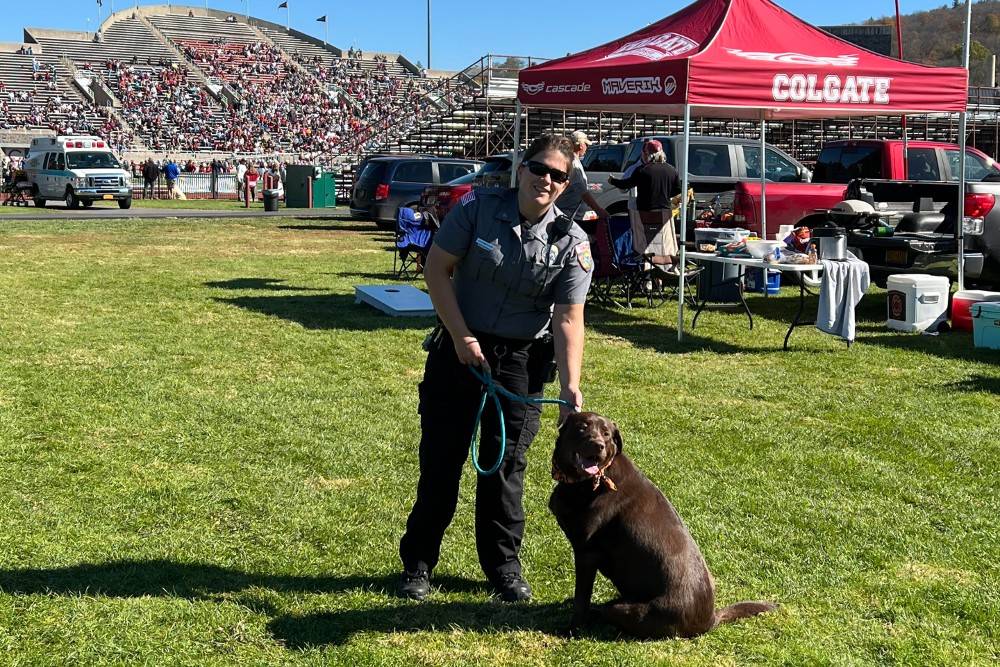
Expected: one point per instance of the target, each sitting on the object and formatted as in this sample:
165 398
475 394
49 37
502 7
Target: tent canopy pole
517 142
684 220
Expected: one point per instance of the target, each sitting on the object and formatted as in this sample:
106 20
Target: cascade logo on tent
832 90
535 88
796 58
669 86
655 48
631 85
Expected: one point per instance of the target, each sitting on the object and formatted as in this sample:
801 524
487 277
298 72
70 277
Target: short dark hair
550 142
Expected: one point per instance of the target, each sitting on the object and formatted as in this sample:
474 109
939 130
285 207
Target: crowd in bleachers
164 106
263 100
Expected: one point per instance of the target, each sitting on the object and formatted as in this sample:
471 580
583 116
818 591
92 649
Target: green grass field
208 453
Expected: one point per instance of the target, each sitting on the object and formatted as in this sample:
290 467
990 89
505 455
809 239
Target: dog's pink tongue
592 470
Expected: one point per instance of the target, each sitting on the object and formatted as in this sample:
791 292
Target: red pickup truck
842 161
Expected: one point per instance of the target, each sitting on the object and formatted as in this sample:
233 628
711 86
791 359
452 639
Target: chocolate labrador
619 524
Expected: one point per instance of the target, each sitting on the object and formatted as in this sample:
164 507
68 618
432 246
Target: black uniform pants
449 399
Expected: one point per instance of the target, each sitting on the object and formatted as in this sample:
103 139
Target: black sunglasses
541 169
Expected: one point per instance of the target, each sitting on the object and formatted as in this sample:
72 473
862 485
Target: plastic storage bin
986 324
719 235
917 302
961 305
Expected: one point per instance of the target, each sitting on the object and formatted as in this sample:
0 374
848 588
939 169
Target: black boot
511 587
414 585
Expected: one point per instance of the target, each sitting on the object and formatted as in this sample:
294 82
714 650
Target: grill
104 181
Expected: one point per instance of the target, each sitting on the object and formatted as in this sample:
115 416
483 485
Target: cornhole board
395 300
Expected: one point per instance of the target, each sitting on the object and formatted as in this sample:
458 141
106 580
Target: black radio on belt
433 339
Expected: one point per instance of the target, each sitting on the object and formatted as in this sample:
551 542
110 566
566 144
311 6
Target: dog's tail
735 612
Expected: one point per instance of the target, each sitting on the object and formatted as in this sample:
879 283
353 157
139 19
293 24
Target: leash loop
492 389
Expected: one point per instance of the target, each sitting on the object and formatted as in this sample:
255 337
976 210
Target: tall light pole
428 34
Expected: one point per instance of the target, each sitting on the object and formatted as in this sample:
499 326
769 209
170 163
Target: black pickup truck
913 228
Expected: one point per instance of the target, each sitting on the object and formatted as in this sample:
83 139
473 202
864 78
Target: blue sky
462 30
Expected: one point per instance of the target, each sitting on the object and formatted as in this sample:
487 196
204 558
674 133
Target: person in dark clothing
150 173
657 182
505 268
216 170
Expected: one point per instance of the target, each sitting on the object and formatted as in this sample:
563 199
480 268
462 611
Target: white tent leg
961 154
763 187
517 143
961 200
683 166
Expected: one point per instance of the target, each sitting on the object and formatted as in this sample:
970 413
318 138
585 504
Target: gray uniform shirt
571 201
511 274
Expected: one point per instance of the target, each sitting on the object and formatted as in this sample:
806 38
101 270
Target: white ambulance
76 170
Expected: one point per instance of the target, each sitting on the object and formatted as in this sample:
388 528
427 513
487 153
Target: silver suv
716 165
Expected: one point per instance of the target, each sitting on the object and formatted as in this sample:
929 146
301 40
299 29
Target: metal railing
194 186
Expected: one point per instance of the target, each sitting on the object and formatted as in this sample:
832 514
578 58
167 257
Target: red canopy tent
745 59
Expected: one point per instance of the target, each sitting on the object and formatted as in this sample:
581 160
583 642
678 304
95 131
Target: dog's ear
616 435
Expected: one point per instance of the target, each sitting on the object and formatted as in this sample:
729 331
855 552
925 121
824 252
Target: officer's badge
553 255
584 257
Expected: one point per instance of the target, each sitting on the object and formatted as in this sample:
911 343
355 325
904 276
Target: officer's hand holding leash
470 353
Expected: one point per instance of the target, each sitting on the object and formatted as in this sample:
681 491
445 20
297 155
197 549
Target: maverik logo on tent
535 88
638 85
631 85
655 48
834 90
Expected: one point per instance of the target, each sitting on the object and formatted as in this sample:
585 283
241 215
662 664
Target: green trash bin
301 179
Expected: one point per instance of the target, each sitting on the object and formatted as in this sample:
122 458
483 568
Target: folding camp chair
413 241
655 240
617 268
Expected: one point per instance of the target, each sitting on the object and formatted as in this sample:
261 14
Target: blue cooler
754 280
986 324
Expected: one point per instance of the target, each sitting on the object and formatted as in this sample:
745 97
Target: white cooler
917 302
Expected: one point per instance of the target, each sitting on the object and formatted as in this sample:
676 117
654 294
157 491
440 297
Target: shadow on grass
659 337
370 229
193 581
983 383
304 632
201 582
273 284
373 275
951 345
326 311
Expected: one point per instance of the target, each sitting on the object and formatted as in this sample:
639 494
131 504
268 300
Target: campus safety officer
505 269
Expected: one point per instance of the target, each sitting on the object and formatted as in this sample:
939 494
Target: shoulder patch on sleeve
584 257
468 198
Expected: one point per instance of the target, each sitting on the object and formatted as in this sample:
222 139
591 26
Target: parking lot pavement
56 212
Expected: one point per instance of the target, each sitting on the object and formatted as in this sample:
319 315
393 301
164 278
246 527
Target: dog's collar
601 478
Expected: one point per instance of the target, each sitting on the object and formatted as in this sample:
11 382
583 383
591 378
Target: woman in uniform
505 270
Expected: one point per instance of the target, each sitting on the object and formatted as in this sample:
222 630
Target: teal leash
491 388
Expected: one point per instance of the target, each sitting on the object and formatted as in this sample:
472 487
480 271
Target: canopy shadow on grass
662 338
194 581
951 345
337 627
273 284
326 311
